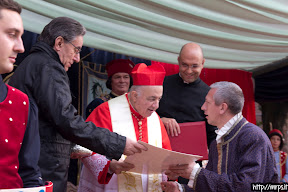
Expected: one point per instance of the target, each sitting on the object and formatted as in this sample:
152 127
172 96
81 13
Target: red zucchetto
276 131
148 75
119 66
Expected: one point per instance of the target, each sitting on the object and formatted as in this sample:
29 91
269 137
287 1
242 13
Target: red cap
276 131
119 66
148 75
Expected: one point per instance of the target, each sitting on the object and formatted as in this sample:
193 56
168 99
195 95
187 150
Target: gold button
10 102
10 119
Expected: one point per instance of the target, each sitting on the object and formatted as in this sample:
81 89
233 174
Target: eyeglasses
185 66
77 50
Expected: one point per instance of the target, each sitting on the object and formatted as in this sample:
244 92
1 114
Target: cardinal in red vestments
132 115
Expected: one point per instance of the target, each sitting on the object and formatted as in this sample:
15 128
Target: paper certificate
156 160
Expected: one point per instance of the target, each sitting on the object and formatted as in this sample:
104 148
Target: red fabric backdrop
241 78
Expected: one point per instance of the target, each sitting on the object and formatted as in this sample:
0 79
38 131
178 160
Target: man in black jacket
42 76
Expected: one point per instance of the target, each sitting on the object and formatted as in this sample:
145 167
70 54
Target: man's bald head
191 62
191 48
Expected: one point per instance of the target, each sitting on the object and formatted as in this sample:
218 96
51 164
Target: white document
156 160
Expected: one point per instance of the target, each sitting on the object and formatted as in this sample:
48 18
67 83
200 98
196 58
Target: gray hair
65 27
10 5
137 88
229 93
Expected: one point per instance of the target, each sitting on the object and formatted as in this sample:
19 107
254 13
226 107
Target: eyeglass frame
76 48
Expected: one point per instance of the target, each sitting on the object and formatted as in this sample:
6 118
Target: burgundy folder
192 139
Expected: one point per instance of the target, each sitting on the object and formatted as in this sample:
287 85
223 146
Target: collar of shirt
226 127
133 111
182 79
192 83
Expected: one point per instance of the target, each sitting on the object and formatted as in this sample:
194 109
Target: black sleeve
30 151
53 97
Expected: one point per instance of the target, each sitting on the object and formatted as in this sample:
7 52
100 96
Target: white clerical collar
226 127
183 79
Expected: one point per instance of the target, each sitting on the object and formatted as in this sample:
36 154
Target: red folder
191 140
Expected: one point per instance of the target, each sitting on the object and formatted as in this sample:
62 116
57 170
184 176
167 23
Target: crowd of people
143 105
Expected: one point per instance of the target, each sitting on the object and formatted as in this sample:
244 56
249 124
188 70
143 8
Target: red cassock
101 117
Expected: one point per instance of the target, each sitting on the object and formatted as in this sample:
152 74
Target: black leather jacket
42 77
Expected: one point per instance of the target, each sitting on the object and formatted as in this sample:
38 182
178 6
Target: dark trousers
54 167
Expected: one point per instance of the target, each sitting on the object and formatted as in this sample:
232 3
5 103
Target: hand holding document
156 160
